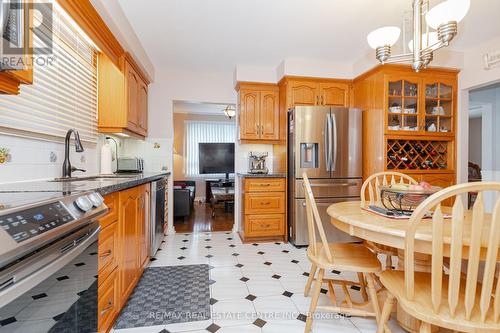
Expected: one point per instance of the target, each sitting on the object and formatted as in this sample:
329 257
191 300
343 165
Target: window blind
64 92
204 132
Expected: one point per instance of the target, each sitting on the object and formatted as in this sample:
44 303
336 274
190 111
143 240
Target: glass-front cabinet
438 107
402 107
423 106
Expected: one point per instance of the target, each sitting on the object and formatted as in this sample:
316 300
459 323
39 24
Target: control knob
96 199
83 203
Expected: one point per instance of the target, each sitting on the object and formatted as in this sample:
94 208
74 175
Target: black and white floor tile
253 287
43 307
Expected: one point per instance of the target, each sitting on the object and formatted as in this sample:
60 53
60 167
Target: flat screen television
216 158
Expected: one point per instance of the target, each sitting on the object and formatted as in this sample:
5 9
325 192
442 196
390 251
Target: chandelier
230 111
442 18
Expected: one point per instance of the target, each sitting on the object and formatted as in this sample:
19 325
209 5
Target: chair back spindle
314 223
479 290
372 185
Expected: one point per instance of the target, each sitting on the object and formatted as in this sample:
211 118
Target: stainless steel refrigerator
325 143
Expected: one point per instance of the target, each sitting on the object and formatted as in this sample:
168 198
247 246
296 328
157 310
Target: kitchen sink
92 178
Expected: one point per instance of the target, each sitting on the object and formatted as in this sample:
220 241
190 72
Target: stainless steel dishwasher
157 222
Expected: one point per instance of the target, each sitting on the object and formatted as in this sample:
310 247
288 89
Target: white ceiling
216 35
189 107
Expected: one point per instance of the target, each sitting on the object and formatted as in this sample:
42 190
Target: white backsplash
243 150
156 152
30 159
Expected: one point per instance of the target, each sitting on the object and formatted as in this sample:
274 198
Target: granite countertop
261 175
102 185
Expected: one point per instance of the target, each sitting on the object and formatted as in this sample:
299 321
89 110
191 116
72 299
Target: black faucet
67 168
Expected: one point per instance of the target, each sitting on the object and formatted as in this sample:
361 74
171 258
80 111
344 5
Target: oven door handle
39 267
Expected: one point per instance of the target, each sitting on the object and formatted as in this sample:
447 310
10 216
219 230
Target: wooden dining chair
370 195
324 256
447 298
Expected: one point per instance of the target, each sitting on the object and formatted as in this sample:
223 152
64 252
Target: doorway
484 154
203 167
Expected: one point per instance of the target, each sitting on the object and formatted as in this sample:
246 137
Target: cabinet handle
265 203
322 100
106 254
264 184
107 308
317 100
261 129
257 128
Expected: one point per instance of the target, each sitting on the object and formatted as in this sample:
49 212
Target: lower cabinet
123 251
263 212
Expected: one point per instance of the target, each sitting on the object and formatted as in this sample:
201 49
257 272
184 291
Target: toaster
130 164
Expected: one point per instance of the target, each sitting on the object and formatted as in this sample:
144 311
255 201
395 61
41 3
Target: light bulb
447 11
433 39
383 36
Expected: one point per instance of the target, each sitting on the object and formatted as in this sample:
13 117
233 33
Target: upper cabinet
309 91
258 113
11 80
420 104
123 98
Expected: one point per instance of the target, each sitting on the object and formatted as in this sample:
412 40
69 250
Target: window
63 95
204 132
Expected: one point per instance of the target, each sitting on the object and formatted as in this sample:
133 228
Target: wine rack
403 154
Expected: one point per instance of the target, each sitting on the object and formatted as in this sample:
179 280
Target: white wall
473 75
475 137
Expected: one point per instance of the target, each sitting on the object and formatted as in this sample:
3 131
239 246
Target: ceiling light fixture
443 17
230 111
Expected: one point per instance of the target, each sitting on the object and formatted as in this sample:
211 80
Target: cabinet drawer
107 301
265 185
264 203
111 200
264 225
107 248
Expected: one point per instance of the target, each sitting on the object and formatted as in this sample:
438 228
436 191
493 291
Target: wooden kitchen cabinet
263 209
312 91
130 204
144 237
123 97
123 250
259 113
399 106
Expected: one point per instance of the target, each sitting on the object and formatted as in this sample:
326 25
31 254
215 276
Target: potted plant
4 154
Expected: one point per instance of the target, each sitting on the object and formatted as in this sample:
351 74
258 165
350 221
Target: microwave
12 23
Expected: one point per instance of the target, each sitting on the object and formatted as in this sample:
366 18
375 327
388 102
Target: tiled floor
254 287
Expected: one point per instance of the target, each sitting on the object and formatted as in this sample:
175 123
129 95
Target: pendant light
443 18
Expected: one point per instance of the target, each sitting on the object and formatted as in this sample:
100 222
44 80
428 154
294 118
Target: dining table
351 218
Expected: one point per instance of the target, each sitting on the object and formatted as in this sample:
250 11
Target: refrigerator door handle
333 155
327 142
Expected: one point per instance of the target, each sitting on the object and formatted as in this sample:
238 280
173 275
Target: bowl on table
403 198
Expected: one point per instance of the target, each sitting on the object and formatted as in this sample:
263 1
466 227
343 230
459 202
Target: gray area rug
168 295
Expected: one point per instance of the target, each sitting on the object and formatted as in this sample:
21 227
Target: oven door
54 289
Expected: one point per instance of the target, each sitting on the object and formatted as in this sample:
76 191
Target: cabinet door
439 106
128 225
249 115
143 225
334 94
143 107
132 98
269 115
304 93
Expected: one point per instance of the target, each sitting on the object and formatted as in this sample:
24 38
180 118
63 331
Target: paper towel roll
106 157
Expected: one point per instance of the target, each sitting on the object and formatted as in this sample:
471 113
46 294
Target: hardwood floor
201 220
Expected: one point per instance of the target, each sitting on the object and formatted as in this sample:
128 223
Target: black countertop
13 194
261 175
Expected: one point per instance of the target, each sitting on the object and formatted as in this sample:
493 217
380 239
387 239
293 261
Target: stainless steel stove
48 261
